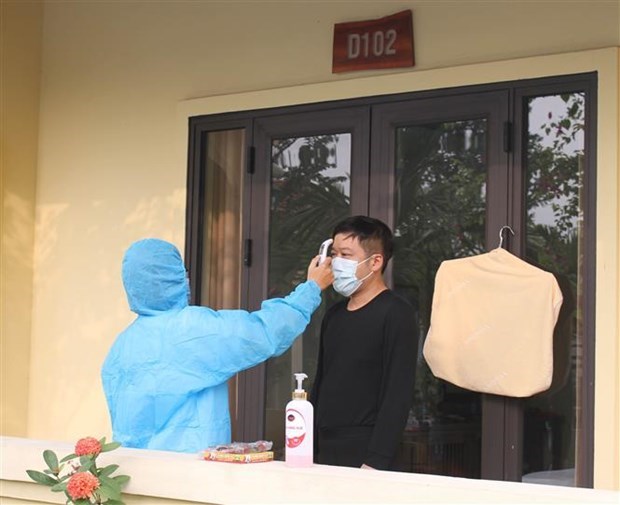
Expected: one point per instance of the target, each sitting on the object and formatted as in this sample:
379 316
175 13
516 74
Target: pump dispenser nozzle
299 393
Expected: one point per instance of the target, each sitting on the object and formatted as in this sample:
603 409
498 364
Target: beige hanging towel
492 324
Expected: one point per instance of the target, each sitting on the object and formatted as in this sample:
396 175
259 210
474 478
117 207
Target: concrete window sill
159 477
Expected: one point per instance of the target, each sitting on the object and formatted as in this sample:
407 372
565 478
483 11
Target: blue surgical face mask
345 281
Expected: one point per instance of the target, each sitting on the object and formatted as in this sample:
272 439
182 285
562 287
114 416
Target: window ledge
167 477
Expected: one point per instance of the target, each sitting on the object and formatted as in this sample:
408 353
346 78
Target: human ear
377 262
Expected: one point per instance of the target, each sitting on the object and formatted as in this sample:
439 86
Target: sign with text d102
379 43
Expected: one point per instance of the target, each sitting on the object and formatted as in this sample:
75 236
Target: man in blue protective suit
165 377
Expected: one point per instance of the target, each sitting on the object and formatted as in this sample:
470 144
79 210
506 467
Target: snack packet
240 452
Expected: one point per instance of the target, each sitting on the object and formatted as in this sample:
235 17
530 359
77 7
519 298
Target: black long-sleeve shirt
366 372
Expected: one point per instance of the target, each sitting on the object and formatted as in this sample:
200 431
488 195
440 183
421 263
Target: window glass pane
221 253
221 261
310 193
440 203
554 242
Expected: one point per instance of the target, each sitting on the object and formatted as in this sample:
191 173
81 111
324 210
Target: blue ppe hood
154 277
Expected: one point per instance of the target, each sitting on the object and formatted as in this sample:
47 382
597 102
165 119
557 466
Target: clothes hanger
501 234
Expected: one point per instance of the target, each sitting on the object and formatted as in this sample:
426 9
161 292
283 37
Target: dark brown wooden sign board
378 43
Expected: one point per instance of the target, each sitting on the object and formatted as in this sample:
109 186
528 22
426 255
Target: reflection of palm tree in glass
440 205
306 203
309 196
440 214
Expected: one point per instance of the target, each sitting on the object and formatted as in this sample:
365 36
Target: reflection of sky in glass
539 116
341 159
540 110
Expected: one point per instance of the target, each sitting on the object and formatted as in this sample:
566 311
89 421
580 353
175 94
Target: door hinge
251 158
507 137
247 252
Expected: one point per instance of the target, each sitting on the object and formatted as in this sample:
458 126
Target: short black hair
374 235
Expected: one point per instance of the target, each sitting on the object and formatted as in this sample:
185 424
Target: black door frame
506 412
494 107
301 124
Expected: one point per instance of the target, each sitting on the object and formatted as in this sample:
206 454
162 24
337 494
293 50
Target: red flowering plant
79 477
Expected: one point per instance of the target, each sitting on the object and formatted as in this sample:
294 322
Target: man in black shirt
367 355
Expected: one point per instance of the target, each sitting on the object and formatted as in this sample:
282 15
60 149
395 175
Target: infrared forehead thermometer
323 250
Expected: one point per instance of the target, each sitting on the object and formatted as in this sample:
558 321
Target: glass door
218 199
311 172
446 170
439 178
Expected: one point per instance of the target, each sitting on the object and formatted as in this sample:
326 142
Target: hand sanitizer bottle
299 427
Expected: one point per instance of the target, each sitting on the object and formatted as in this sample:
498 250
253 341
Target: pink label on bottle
295 428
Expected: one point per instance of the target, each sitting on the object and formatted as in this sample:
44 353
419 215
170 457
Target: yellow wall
21 28
116 80
615 443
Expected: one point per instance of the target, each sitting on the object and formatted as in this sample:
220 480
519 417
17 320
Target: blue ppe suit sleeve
222 343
